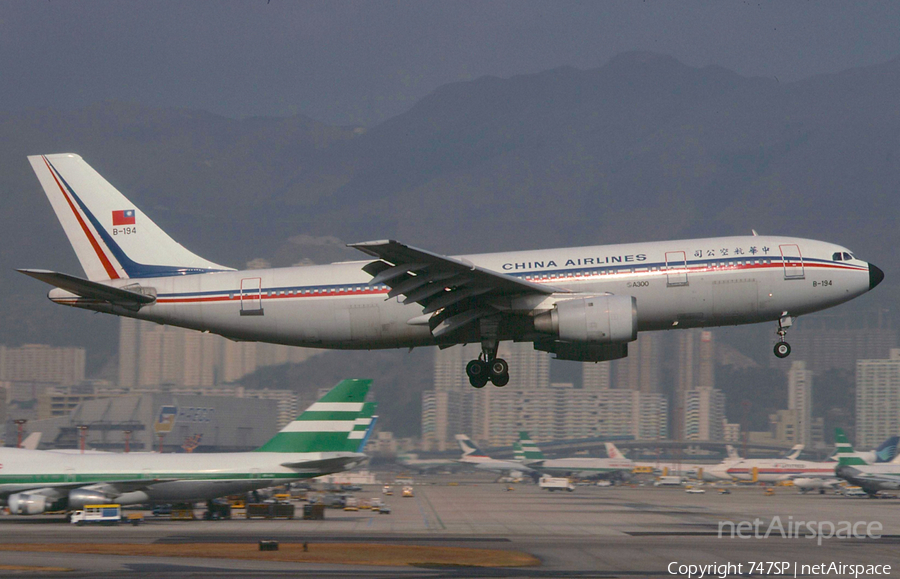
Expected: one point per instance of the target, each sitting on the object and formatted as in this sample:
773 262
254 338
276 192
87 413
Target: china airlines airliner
579 303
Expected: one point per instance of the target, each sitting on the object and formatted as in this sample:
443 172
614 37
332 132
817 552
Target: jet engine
594 319
80 497
28 504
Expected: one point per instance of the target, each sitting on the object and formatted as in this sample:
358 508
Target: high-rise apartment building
704 412
42 363
877 399
595 375
152 354
800 393
642 369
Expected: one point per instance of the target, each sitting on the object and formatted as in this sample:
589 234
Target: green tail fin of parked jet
531 450
338 422
844 450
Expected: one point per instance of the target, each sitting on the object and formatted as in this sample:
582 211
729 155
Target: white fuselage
587 467
774 470
181 477
677 284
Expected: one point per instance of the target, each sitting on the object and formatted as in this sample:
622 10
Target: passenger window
837 257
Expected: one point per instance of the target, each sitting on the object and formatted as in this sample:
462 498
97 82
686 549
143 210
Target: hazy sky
348 62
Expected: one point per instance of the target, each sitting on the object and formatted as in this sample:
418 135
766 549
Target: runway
591 532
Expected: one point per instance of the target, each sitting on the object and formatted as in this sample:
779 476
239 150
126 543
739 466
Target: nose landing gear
782 348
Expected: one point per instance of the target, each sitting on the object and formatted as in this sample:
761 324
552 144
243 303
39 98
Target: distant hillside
641 148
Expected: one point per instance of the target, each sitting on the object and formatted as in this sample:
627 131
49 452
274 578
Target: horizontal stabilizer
90 289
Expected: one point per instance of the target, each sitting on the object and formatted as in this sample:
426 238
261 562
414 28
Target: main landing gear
482 371
488 367
782 348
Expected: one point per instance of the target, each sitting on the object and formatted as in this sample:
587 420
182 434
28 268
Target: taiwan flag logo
124 217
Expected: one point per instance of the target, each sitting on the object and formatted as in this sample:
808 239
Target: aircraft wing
90 289
326 465
461 291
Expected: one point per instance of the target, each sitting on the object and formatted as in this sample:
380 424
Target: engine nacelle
594 319
78 498
28 504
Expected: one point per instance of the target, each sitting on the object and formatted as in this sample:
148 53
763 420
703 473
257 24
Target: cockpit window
848 256
838 256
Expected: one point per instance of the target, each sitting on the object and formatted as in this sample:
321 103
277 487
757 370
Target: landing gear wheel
477 371
478 382
782 349
501 380
498 367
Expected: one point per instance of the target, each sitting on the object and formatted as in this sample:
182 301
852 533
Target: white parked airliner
328 437
580 303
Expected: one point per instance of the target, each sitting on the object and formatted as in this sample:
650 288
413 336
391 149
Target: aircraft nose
875 276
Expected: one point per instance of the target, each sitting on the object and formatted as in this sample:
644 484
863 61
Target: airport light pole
127 434
20 427
82 433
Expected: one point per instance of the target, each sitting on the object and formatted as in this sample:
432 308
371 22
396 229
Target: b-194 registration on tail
579 303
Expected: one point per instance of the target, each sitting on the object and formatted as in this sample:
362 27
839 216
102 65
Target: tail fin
887 450
32 441
518 453
328 425
794 453
531 450
612 451
364 425
732 452
843 450
468 447
112 238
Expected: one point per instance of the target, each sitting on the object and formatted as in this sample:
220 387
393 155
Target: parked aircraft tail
468 447
364 425
336 423
531 450
112 238
732 453
794 453
518 453
843 450
888 450
612 451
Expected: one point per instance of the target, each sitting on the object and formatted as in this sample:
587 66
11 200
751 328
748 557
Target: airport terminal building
175 422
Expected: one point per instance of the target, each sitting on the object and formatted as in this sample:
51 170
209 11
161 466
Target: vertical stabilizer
531 450
843 450
887 450
112 238
794 453
327 425
612 451
467 446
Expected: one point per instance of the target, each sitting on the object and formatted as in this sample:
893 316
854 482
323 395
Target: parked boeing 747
581 303
328 437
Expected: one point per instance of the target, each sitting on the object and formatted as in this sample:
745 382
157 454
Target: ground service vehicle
668 481
97 514
556 484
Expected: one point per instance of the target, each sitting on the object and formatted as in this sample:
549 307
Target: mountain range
641 148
